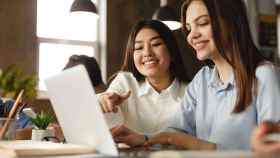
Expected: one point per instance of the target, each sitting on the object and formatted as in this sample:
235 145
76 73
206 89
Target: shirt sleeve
184 120
267 100
118 85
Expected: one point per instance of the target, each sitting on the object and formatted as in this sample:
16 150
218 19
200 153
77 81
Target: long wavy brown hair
234 42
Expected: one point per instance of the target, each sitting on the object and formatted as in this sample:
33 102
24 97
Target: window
62 34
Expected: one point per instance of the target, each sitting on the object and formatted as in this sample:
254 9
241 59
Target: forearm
204 145
189 142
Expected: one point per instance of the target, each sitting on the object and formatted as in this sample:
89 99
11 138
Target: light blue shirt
208 104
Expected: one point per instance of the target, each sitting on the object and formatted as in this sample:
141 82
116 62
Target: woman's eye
138 48
156 44
202 23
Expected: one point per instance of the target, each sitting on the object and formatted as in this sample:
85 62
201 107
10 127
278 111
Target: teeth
149 62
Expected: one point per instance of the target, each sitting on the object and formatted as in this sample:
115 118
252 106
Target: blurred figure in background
92 68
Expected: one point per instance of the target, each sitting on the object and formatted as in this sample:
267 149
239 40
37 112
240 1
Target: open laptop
78 111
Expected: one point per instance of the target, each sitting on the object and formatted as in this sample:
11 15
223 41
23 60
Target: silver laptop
78 112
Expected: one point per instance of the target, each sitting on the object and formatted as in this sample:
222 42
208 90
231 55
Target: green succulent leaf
42 120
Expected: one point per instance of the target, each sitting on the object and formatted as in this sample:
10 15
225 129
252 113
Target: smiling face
150 54
200 36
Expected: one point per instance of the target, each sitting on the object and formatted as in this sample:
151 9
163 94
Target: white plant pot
38 134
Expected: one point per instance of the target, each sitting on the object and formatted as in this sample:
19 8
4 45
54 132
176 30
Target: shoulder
268 71
182 86
125 76
124 80
200 81
203 74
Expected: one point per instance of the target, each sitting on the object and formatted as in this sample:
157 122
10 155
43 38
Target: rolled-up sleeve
268 97
116 86
184 119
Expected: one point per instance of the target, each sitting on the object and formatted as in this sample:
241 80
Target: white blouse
146 110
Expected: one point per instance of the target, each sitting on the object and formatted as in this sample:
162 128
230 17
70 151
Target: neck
224 69
160 83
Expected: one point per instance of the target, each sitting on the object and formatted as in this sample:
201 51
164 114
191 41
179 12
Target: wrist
143 139
146 137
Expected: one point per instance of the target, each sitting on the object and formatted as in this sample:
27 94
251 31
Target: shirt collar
146 87
215 81
173 89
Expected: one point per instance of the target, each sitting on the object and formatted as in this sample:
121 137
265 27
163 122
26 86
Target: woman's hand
111 100
57 131
122 134
181 141
258 138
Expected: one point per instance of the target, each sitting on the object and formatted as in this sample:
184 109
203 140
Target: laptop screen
78 112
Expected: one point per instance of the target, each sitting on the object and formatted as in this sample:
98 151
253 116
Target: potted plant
13 80
40 123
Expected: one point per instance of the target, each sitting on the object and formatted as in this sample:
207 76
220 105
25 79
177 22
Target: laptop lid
78 112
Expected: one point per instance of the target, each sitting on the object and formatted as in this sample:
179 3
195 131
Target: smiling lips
150 62
200 45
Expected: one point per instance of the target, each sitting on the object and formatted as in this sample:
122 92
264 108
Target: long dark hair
91 66
176 66
234 42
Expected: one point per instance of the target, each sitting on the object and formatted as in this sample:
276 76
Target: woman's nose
148 50
194 33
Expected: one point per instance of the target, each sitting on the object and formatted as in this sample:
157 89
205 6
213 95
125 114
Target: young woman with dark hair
227 99
150 86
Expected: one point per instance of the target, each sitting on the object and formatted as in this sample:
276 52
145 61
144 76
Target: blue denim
22 121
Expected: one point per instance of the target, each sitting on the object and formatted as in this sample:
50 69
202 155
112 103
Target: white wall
266 7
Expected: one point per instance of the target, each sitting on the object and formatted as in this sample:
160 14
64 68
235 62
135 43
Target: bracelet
146 137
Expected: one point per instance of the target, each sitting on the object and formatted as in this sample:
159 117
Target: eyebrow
153 38
196 19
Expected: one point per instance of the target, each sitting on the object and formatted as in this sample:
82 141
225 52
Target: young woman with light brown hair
227 99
